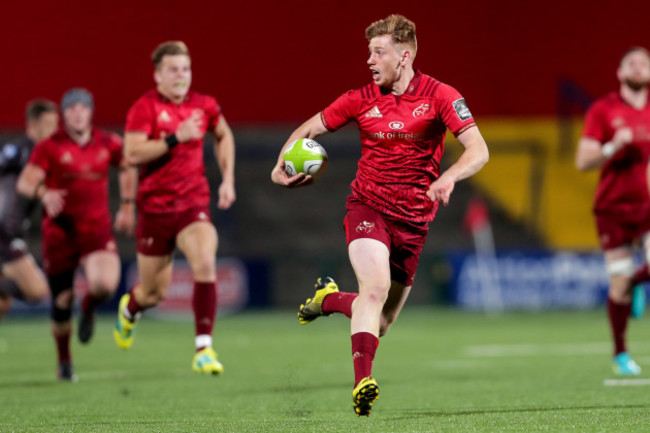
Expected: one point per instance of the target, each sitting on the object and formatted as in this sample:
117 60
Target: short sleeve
213 112
342 110
594 123
453 110
140 117
40 156
115 149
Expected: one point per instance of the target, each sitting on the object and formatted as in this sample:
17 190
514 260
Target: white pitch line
567 349
626 382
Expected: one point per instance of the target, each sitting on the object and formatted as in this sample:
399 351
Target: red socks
618 318
204 305
133 307
364 347
89 303
339 302
63 347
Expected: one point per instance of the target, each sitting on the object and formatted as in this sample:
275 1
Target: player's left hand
227 195
125 221
441 189
279 176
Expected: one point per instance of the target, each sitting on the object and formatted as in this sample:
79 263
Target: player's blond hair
400 28
635 49
169 48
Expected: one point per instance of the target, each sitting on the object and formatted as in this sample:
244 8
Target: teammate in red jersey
616 140
164 136
403 116
69 173
20 276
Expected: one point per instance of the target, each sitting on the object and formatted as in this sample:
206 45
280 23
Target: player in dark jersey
164 137
403 116
20 277
68 172
616 140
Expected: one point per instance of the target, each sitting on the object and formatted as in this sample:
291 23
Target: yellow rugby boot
124 328
312 308
364 395
205 361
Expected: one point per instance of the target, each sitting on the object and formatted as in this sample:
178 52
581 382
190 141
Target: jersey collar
412 87
414 84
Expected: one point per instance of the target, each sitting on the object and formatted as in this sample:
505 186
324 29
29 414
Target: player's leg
61 288
407 242
370 261
198 241
155 276
641 275
360 222
397 296
322 304
24 280
102 269
155 235
5 304
620 268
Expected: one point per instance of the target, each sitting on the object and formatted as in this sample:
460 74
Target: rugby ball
305 156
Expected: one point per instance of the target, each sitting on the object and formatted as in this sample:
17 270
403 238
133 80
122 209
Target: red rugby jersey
80 170
622 186
175 181
402 142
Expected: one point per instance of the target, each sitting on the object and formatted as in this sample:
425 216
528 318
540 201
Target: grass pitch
438 370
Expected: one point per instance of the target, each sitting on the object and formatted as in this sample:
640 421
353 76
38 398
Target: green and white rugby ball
305 156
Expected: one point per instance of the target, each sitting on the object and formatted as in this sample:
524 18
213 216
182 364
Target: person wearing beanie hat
77 95
164 137
68 173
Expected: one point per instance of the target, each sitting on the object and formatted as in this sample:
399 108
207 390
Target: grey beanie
77 95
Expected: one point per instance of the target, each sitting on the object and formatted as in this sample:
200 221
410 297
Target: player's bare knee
63 299
377 297
103 289
204 268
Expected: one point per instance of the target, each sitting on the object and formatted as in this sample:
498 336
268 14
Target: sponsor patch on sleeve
461 109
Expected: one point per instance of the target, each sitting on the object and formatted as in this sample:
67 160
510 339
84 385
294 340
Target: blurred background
518 235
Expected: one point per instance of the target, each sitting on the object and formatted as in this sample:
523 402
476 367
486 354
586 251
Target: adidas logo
374 112
164 116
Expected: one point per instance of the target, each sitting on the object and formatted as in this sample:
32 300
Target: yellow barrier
531 174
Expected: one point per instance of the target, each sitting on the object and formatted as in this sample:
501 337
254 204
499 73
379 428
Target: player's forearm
589 155
144 151
590 160
225 154
473 158
469 163
128 184
312 128
30 183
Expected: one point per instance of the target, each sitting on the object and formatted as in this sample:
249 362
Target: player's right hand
54 201
280 177
190 128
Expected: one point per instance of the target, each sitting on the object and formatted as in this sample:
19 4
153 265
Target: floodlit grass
438 370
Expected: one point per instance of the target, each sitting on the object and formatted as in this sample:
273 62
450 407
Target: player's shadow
43 383
444 413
